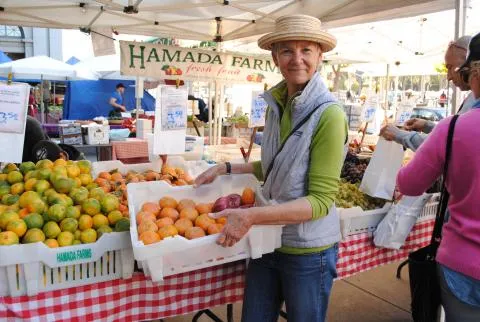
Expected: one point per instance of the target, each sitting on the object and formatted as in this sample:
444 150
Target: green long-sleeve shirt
326 159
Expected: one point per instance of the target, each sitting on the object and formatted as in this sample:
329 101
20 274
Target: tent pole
42 107
387 85
220 113
460 18
210 104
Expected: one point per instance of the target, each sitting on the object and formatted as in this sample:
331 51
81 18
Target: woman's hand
415 124
210 175
238 224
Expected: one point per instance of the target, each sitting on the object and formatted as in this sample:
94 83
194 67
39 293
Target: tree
338 73
441 68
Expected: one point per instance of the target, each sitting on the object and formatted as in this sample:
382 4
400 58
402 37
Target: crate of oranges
172 233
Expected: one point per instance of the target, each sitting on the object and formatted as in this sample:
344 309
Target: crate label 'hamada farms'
74 255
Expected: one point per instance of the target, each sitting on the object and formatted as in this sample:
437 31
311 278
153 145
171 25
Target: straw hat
298 27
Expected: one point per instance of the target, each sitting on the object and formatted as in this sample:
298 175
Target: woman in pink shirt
459 252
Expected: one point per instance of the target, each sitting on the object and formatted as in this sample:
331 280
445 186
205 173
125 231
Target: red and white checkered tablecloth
357 253
131 149
135 299
138 299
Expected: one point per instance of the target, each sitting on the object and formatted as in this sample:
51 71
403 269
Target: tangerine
33 235
214 229
114 216
194 232
190 213
182 225
149 237
91 206
167 231
169 212
105 175
204 208
51 230
248 196
8 238
18 226
221 220
147 225
109 203
65 238
165 221
203 221
185 203
142 215
88 236
52 243
151 207
100 220
168 202
85 222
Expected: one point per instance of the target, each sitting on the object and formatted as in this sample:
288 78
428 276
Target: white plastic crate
193 168
29 269
356 221
177 254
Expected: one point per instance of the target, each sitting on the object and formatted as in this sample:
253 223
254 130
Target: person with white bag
458 256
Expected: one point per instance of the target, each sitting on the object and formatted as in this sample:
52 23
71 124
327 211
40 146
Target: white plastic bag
393 230
381 174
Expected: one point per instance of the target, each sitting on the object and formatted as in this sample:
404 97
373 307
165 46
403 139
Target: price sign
369 115
174 109
258 110
403 117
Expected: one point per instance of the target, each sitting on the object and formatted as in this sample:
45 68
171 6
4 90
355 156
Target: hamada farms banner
167 62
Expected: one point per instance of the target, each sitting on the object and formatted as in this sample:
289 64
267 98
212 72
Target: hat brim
327 41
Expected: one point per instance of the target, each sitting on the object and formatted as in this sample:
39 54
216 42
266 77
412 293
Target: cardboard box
70 129
97 134
75 139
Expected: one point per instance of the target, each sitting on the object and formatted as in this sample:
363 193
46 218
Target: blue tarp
4 58
72 60
85 100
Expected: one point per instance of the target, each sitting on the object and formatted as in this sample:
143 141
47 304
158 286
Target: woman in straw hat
302 155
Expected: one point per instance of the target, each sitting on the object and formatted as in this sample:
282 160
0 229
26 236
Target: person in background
410 138
302 179
32 103
443 99
33 134
459 253
47 98
116 101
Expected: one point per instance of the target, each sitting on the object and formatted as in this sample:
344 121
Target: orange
85 178
73 171
114 216
168 170
214 229
56 212
78 182
151 207
52 243
181 182
22 213
33 235
17 188
168 202
109 203
147 225
190 213
88 236
142 215
30 184
149 237
169 212
6 217
59 162
51 229
34 220
8 238
73 212
203 221
85 222
69 224
152 176
14 177
41 186
248 196
79 195
117 176
194 232
182 225
185 203
85 166
97 193
65 238
100 220
165 221
91 206
63 185
104 229
221 220
204 208
167 231
18 226
27 167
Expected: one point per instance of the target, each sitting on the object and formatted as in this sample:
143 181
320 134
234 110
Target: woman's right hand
415 124
211 174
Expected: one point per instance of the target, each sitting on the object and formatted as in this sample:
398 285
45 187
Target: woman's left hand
238 223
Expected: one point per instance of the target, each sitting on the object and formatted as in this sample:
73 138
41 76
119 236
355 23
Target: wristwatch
229 168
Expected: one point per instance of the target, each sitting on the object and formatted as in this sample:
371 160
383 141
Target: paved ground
373 296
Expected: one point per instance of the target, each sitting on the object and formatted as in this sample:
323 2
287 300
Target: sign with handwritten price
13 106
258 110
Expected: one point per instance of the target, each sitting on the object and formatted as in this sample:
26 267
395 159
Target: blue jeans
304 282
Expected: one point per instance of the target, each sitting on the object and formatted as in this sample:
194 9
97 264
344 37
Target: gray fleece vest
288 179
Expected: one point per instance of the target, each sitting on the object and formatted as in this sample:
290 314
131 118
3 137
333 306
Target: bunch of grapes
353 168
349 196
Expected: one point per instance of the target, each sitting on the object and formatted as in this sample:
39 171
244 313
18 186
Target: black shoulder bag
424 284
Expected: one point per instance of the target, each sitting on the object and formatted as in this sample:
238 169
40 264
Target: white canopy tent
44 68
203 19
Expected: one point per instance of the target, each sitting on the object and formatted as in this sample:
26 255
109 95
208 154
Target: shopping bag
394 228
381 174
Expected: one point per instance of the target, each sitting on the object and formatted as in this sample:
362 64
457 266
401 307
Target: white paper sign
171 120
370 108
126 115
403 117
13 114
258 110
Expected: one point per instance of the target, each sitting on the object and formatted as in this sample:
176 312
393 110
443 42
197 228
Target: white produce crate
193 168
177 254
356 220
29 269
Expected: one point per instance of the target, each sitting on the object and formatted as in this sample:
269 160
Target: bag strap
444 196
295 129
